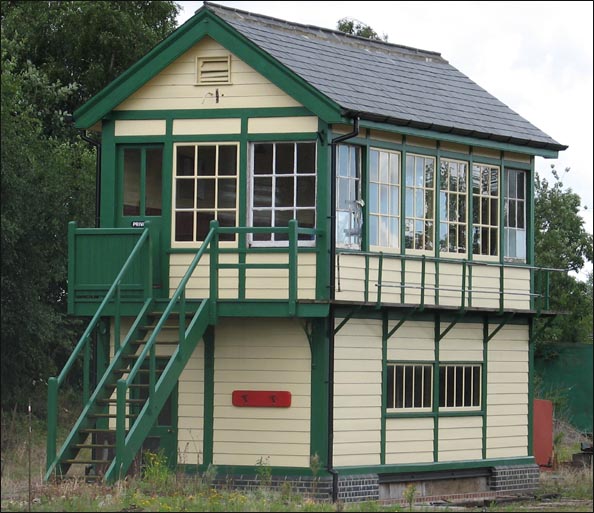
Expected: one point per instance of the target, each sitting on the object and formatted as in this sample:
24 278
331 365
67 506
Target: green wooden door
139 198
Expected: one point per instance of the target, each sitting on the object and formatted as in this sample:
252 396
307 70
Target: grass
563 489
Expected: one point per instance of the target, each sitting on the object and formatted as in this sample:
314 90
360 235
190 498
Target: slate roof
386 82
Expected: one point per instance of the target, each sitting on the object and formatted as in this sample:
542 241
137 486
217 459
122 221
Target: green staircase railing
84 347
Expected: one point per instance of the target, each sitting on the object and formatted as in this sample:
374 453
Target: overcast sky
536 57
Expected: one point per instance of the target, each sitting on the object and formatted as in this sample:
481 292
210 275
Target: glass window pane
494 182
399 375
207 158
262 218
226 220
306 158
394 232
262 192
476 386
306 218
451 387
203 220
373 166
521 244
206 193
410 166
306 191
467 386
383 166
521 186
408 386
520 215
384 199
227 160
442 386
383 231
419 203
185 161
227 193
373 198
394 178
154 176
263 154
419 172
427 386
184 226
409 202
283 192
418 387
511 184
132 160
373 230
184 193
285 158
394 201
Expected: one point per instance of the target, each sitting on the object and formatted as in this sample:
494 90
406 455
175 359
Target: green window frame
142 169
349 205
409 386
515 215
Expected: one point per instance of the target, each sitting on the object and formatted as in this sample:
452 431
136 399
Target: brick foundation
514 478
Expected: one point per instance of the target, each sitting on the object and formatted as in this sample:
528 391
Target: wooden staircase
93 440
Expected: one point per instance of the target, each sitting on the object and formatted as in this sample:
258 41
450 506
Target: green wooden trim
439 154
531 228
502 194
384 386
108 172
318 432
265 308
435 400
208 421
170 115
205 23
429 467
403 195
238 250
460 139
531 386
484 383
323 259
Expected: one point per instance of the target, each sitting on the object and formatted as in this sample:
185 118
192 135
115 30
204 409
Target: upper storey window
283 188
349 214
419 202
485 210
452 206
384 198
515 215
204 189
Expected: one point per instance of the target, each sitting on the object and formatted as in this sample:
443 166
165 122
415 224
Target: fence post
292 266
52 420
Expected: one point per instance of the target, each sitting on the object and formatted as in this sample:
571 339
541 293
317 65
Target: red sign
262 398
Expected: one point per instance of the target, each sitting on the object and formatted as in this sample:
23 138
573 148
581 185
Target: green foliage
264 471
561 242
157 476
409 494
55 56
357 28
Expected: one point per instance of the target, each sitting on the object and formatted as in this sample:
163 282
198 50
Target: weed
264 471
157 475
409 495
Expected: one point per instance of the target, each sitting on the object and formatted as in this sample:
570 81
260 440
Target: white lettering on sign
137 224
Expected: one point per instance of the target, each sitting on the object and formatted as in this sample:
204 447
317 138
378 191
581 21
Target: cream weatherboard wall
358 389
357 393
262 354
507 393
175 87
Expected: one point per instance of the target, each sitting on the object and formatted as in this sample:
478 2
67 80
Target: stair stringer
148 415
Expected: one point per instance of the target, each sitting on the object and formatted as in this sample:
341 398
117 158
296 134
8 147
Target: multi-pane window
409 386
419 202
459 386
485 209
452 206
204 189
283 187
515 215
349 204
384 198
142 175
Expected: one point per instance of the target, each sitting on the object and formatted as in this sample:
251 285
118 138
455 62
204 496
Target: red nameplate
266 398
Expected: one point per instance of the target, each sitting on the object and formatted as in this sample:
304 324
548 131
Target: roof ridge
375 42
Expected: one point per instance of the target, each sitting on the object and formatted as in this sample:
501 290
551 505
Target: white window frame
295 175
414 218
520 234
383 180
477 206
462 242
195 177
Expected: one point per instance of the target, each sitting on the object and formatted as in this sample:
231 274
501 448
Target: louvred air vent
213 70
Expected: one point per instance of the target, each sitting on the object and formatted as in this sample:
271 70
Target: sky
536 57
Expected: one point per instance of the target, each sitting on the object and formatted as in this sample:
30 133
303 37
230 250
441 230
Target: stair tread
93 446
86 462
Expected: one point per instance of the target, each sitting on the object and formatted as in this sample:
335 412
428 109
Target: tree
55 56
358 28
561 242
